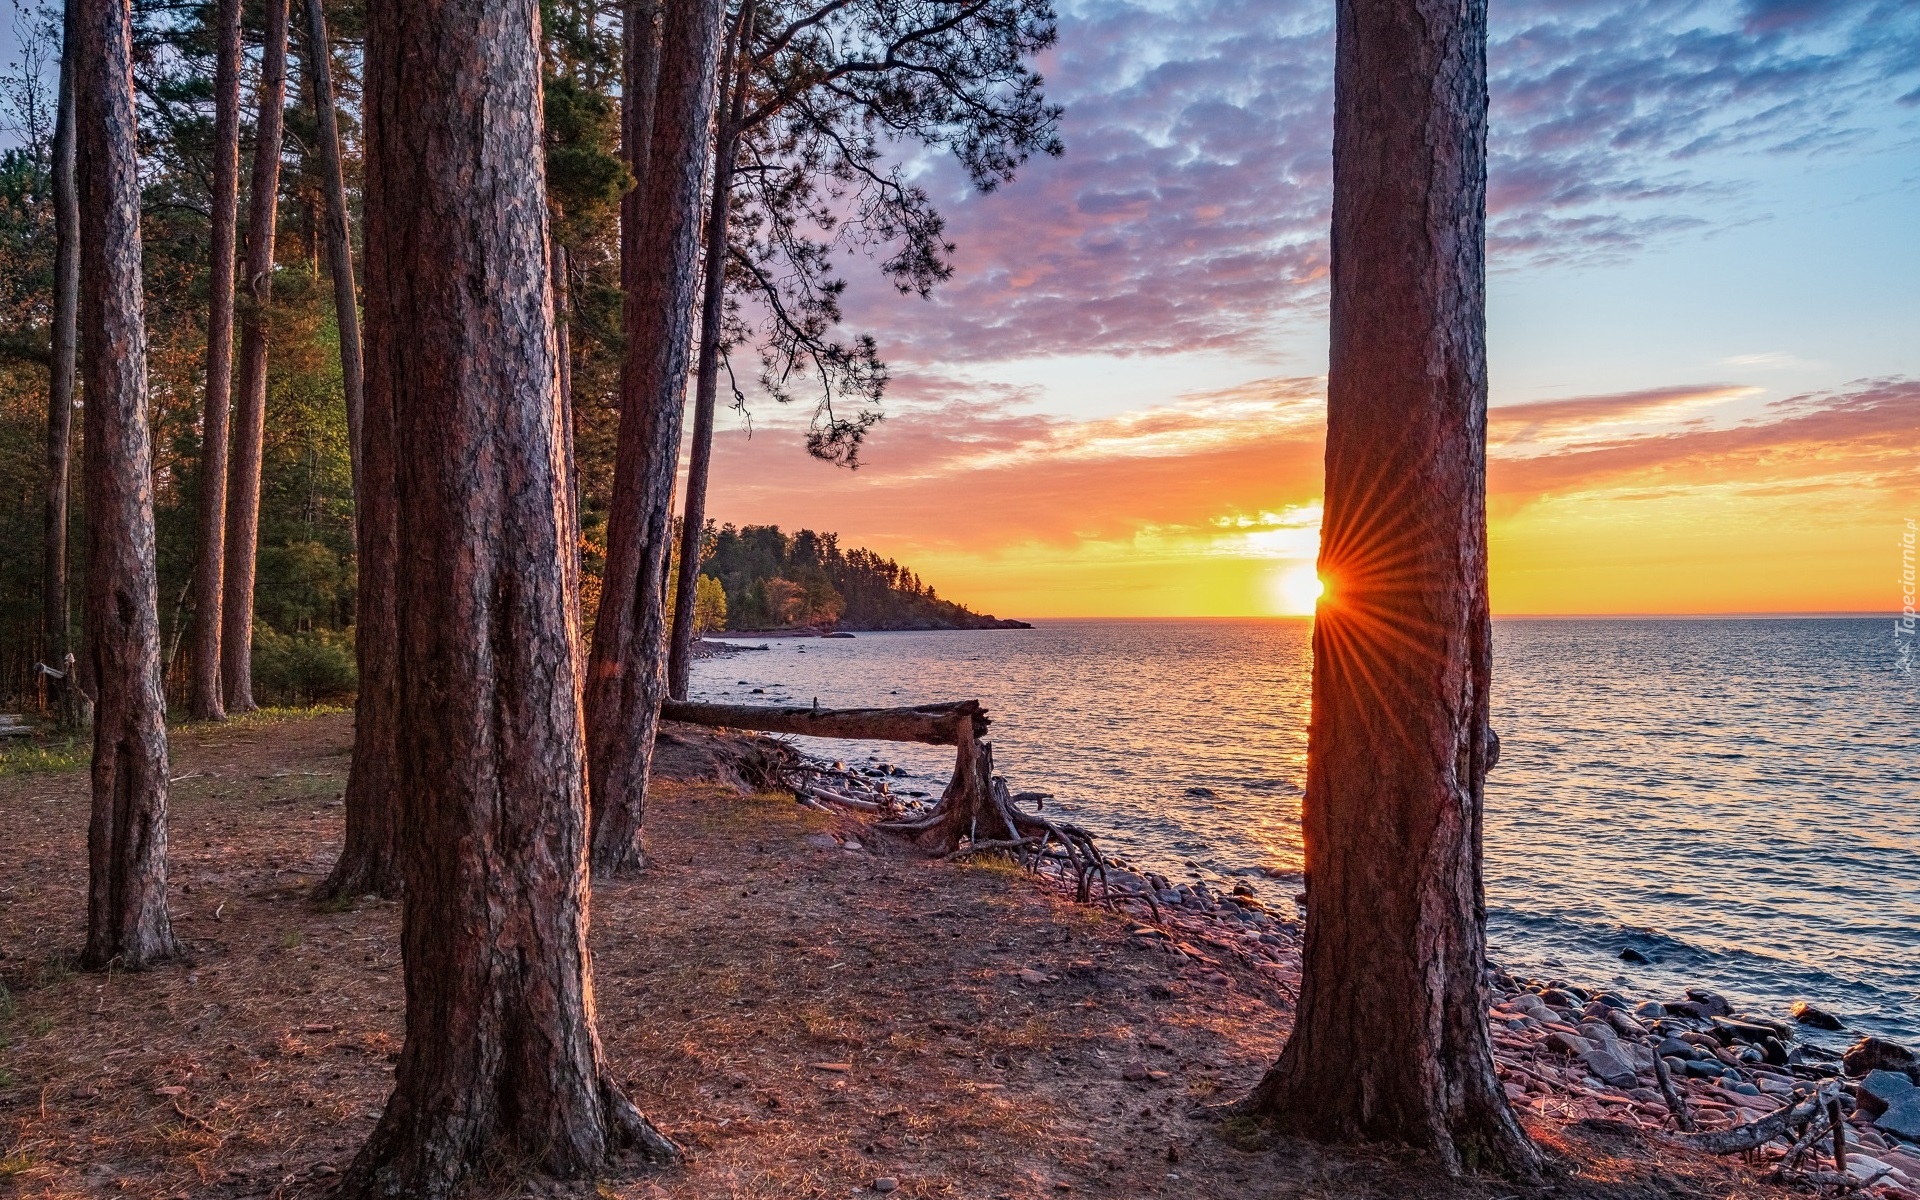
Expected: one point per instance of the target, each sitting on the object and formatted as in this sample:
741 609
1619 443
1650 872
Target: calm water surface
1737 799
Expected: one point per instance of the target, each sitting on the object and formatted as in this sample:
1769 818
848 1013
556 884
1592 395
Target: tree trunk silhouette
127 921
205 702
640 87
369 862
502 1064
626 672
55 620
1391 1040
732 108
249 434
339 242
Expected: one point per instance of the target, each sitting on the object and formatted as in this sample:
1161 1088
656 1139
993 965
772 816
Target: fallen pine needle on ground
808 1020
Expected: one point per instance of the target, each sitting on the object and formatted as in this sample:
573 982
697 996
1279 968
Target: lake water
1739 800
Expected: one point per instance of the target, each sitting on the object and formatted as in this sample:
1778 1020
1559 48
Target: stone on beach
1881 1089
1876 1054
1610 1069
1817 1018
1902 1118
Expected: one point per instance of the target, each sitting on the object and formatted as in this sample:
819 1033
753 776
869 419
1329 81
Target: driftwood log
933 724
977 814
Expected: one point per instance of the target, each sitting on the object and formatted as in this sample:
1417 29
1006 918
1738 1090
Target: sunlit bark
1391 1040
250 431
127 921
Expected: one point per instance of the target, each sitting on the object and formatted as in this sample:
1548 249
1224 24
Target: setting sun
1296 590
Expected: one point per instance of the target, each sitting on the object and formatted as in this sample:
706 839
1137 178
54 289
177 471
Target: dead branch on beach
977 814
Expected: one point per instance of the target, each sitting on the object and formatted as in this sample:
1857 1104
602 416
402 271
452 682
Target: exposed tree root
977 814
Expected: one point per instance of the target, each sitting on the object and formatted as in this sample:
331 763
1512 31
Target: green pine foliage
776 581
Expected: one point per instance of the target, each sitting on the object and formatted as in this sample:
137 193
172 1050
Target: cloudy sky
1705 331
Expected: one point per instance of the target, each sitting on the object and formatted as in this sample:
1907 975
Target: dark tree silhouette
1391 1040
127 921
206 702
369 862
626 671
339 244
55 621
249 436
502 1063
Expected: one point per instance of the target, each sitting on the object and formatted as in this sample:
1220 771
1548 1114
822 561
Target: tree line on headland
774 581
501 754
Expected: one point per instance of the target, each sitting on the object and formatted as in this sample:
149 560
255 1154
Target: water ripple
1733 799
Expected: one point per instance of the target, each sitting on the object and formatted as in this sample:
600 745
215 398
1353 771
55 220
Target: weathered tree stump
978 814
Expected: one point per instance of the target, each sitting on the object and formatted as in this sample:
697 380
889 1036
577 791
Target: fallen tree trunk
977 814
934 724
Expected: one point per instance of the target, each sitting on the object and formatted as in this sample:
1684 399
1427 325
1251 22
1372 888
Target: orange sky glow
1698 499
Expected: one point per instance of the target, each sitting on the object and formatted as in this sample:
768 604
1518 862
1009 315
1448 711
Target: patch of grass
291 939
992 864
35 758
261 718
1245 1132
17 1162
41 1025
54 969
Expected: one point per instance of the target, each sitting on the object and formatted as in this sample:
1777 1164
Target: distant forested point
805 581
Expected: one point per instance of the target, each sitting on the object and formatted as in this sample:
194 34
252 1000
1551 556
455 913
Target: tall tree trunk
206 703
707 371
1391 1040
501 1063
56 621
243 479
640 87
127 922
369 862
626 672
339 243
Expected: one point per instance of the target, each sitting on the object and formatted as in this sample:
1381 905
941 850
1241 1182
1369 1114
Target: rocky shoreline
1563 1051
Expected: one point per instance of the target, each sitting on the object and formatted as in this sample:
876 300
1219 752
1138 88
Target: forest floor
806 1019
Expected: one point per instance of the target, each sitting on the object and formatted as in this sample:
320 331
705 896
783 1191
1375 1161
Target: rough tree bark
127 921
1391 1039
249 435
706 388
502 1064
206 702
339 243
56 620
626 671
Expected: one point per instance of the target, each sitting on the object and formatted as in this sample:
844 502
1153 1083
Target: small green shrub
303 668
